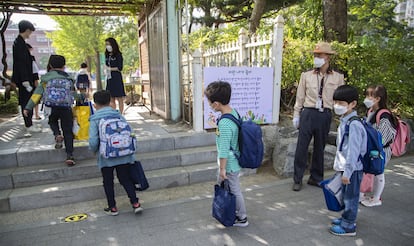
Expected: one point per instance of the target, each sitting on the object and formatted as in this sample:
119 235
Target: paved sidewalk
145 125
277 216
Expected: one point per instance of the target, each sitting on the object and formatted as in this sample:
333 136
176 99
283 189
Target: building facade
42 46
405 12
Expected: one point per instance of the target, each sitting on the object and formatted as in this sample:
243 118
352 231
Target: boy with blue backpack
111 137
218 94
348 162
57 90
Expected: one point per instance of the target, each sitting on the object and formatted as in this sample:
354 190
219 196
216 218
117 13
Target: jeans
65 116
351 200
122 172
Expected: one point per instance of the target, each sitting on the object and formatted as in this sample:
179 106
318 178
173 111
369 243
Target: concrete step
90 189
41 153
27 176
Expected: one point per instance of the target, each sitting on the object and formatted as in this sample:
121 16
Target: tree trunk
98 71
335 20
258 10
3 26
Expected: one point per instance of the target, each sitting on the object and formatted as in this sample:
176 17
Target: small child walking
347 160
121 164
218 95
57 89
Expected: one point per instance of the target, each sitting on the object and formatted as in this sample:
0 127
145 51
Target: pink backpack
402 138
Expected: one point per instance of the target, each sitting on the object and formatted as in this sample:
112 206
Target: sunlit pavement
277 216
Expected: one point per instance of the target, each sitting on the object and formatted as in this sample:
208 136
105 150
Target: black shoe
241 222
297 186
313 182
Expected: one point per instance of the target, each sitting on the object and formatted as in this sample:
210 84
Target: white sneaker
371 202
363 198
34 129
27 134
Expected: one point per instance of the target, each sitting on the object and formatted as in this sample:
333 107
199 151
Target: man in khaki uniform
312 114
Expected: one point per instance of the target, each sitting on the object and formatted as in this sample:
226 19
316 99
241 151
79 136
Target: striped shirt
385 127
227 135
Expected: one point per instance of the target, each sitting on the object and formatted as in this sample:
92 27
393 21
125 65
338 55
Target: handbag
137 175
332 190
224 204
367 183
81 121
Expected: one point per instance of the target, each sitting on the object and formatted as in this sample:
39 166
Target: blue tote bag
224 204
138 176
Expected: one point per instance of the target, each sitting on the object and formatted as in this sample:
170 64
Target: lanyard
321 84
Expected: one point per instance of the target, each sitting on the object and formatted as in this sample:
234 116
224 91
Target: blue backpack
58 93
250 142
116 138
374 159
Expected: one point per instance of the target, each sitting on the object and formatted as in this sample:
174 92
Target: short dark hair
346 93
218 91
24 25
56 61
102 98
84 65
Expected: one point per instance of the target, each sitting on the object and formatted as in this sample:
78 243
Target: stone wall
280 147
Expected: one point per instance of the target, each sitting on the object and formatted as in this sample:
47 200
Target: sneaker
241 222
340 231
111 211
371 202
27 134
336 221
34 129
137 207
58 142
363 197
297 186
70 161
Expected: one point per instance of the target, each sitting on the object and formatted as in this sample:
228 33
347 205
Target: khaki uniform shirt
308 89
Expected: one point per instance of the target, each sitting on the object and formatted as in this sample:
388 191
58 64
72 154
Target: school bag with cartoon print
374 159
58 92
402 137
116 138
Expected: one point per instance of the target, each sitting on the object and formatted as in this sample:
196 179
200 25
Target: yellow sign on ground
75 218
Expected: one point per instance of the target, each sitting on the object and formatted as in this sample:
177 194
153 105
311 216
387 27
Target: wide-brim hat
323 48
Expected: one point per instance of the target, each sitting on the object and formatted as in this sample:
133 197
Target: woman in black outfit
114 64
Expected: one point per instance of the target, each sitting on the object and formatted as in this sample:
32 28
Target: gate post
277 52
197 75
243 54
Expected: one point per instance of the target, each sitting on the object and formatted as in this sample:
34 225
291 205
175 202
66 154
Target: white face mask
368 102
318 62
109 48
339 109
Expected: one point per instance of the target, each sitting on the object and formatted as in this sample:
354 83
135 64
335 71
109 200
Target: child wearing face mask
375 100
347 160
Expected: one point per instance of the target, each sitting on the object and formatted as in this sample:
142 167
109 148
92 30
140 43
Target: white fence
257 51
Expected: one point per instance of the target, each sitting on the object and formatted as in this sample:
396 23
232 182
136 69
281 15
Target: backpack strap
378 119
379 113
238 122
346 134
232 118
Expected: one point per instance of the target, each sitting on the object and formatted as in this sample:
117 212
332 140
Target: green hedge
9 107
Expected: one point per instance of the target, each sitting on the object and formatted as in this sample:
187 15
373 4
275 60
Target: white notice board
251 93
